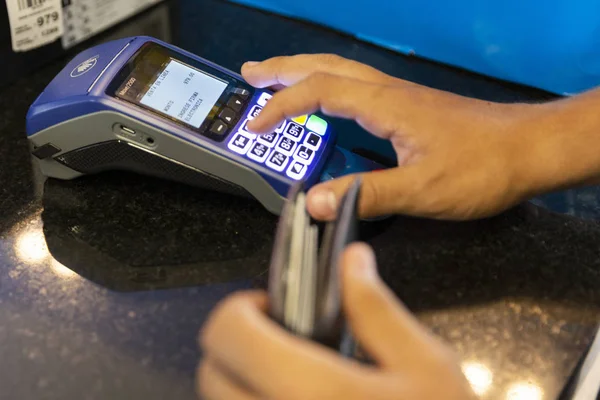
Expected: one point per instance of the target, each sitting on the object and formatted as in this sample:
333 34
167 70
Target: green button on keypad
317 125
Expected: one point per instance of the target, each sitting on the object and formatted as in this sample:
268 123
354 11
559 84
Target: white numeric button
286 146
254 112
297 170
240 143
268 139
262 100
304 155
277 161
294 131
259 152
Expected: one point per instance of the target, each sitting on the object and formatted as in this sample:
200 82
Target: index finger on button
288 70
335 96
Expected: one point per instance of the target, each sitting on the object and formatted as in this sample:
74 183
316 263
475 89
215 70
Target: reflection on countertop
481 379
521 285
161 234
107 280
66 337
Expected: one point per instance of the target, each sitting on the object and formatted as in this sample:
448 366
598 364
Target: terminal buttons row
291 147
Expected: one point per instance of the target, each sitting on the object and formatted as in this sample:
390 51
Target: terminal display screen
183 93
172 85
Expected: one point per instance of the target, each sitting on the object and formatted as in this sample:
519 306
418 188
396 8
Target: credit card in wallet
304 282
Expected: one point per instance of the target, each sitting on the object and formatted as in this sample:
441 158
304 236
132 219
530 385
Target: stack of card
304 283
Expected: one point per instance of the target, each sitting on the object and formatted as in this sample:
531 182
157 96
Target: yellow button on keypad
301 119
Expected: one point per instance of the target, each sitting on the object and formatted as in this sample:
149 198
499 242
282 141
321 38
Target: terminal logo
128 86
84 67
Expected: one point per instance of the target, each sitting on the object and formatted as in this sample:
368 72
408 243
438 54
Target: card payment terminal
142 105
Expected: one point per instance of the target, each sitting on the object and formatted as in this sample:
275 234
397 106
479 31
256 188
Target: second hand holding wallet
305 294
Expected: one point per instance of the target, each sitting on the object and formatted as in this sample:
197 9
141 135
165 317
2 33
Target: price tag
34 23
85 18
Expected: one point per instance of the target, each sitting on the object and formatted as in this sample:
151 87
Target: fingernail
250 125
250 63
363 262
324 202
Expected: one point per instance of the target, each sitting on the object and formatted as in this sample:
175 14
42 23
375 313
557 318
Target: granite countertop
106 281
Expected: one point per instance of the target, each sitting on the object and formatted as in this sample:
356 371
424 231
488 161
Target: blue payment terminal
139 104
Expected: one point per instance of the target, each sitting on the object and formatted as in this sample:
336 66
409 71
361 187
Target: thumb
386 330
381 193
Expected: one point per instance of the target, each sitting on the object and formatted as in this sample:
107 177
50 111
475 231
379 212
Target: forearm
561 143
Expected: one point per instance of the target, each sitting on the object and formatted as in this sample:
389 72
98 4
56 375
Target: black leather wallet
304 281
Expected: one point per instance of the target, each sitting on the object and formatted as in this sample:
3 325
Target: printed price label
85 18
34 23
